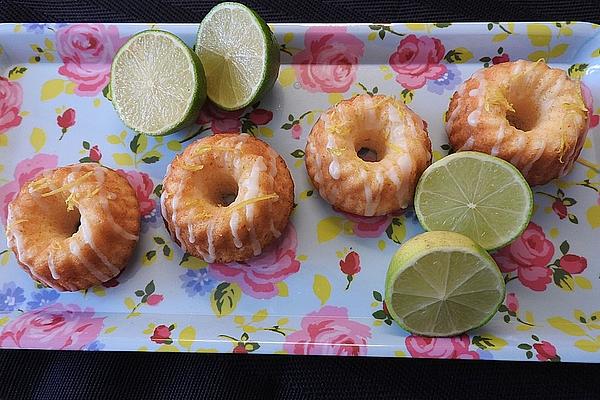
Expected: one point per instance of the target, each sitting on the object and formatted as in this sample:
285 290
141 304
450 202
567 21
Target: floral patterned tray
319 291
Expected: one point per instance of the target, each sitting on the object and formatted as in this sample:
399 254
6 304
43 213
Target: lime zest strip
272 196
69 185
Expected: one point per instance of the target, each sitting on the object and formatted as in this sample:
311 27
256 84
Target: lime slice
157 83
442 284
480 196
239 53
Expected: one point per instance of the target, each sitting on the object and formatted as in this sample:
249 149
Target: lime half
480 196
442 284
239 53
157 83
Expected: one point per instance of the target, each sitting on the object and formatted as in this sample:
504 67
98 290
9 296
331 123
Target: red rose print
154 299
416 60
560 209
500 59
260 116
66 119
529 256
546 351
351 264
573 264
161 335
240 349
512 303
95 154
220 121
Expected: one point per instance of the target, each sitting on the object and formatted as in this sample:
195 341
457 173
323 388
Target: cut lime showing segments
480 196
157 83
442 284
239 53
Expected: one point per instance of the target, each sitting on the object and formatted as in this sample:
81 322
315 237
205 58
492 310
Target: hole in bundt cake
222 188
526 114
366 154
227 199
370 148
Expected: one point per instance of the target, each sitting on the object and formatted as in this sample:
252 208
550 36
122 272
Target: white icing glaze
499 137
211 243
334 165
174 204
518 144
473 118
52 267
87 237
334 169
453 115
541 146
368 194
468 144
76 252
251 192
234 225
191 236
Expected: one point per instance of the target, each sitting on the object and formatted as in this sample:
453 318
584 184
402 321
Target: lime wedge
480 196
157 83
239 53
442 284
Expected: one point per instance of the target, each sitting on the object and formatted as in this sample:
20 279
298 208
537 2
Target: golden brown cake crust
74 227
379 123
196 213
524 112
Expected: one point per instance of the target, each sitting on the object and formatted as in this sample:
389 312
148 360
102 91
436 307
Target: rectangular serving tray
295 299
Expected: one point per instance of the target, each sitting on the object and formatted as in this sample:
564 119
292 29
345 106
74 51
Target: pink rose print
529 255
593 119
11 97
416 60
546 351
57 327
329 331
154 299
329 61
259 276
296 131
512 303
25 171
143 186
452 347
369 227
87 51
